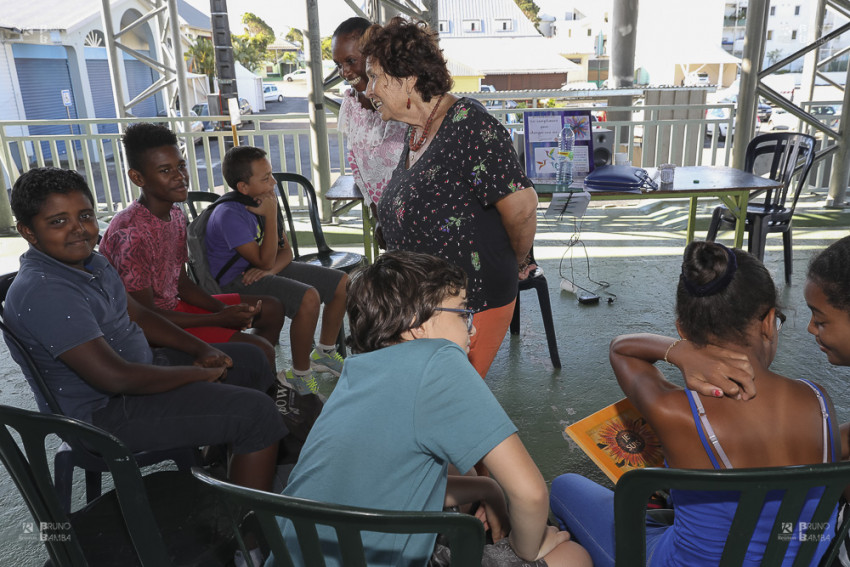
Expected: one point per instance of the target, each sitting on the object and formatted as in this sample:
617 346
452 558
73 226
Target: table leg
742 219
692 220
369 244
737 204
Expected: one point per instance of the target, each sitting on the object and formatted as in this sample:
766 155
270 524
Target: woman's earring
408 103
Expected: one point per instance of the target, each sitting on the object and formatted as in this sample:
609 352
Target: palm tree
201 59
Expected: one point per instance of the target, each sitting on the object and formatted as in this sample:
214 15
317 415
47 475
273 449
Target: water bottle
565 157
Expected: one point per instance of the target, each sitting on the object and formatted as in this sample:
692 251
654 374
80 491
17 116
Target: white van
271 93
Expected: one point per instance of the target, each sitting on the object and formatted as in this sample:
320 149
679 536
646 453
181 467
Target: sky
283 14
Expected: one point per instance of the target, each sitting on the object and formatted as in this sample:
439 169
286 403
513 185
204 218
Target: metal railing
92 146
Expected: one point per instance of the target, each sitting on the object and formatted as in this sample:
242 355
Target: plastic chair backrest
31 474
194 197
465 532
312 208
635 487
45 399
780 155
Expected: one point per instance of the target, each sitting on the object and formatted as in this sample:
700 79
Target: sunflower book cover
618 439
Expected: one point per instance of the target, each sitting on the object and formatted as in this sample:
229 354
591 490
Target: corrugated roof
283 45
488 11
527 55
459 69
193 16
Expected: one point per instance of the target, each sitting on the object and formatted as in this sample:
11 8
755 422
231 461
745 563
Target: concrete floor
633 246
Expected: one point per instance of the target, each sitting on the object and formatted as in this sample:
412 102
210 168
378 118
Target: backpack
196 241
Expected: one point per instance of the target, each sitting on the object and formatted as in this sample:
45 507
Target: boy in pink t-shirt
146 243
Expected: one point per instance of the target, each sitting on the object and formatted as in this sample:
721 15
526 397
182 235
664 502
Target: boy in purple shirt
250 228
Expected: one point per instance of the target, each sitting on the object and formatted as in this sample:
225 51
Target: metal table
732 186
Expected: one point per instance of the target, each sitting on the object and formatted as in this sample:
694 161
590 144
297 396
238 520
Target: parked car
297 75
828 114
722 127
271 92
245 107
194 126
764 109
203 109
784 120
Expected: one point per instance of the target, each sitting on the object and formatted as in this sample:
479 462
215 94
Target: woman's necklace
416 144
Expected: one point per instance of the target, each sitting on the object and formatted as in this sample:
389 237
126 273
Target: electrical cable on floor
568 284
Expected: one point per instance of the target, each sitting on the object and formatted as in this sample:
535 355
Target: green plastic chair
635 487
166 518
465 532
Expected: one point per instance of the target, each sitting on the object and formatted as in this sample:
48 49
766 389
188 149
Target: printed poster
542 128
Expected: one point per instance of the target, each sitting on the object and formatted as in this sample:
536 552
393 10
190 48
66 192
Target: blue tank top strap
827 422
693 400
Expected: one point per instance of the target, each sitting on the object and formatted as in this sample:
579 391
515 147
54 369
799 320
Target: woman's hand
525 272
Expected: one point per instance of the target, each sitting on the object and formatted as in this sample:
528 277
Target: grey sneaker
303 385
326 362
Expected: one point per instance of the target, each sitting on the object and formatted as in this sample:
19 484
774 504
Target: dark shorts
290 285
237 412
498 554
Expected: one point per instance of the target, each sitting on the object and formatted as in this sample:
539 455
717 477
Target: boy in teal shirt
409 404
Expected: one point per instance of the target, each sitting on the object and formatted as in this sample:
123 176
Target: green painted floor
635 247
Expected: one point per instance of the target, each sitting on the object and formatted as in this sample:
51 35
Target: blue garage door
140 77
43 74
100 82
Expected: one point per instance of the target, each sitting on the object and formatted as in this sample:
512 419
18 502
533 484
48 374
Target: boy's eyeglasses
465 313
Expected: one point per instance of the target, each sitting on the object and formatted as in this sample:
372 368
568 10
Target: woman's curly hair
406 48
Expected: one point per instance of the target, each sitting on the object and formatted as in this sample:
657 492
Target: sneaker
303 385
326 362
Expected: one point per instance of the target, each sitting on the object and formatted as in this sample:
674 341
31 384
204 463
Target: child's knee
311 302
272 311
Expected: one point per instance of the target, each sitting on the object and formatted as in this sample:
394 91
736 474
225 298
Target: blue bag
620 178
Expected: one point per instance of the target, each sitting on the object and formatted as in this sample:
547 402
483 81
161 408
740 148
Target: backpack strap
226 267
238 197
226 198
